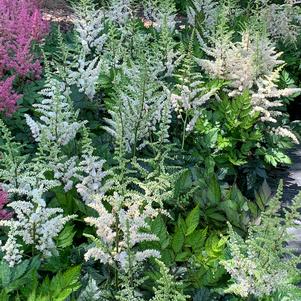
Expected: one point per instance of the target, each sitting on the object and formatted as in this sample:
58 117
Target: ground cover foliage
135 149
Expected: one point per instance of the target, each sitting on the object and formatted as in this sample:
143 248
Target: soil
57 11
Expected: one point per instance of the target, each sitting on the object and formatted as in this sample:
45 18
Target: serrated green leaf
183 256
214 191
65 238
178 240
5 274
192 220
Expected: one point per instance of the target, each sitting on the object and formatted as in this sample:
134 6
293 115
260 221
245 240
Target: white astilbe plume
66 170
191 93
57 122
91 179
127 218
120 11
33 225
283 20
191 99
123 225
89 24
267 90
252 64
140 98
84 74
56 127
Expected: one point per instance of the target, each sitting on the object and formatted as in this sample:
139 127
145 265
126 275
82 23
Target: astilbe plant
56 128
35 225
251 64
140 99
8 98
263 264
21 25
282 20
168 288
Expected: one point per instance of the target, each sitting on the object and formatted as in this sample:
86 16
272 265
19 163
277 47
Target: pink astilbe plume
8 98
4 214
21 25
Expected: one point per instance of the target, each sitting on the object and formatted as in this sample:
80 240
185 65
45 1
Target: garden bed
149 150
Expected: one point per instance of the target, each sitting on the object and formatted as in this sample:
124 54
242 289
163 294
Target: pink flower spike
21 24
4 214
8 98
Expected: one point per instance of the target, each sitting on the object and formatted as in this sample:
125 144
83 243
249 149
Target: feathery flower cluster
120 11
58 120
251 64
34 224
20 24
89 24
86 75
140 99
4 214
8 98
283 20
57 126
91 178
124 225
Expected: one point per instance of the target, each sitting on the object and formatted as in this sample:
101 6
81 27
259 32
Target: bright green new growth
264 263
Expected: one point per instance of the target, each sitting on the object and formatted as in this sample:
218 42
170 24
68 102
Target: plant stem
184 131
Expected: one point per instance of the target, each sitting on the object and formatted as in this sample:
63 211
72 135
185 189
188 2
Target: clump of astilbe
139 100
160 12
191 93
122 226
262 264
250 64
89 24
20 25
57 126
4 214
282 20
119 231
33 225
